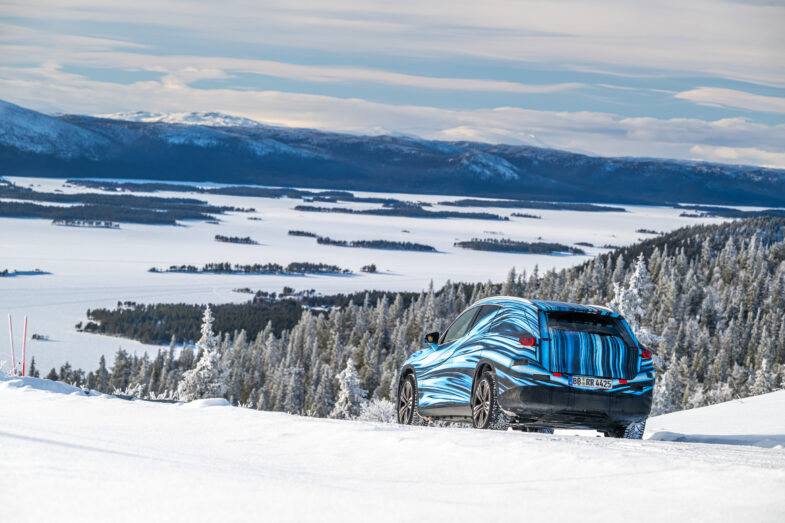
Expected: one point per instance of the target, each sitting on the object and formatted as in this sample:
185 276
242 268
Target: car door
449 377
435 379
470 348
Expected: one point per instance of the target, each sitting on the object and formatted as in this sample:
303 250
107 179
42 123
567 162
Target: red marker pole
24 348
11 336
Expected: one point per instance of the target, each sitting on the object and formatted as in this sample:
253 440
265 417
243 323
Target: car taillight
646 354
557 374
527 341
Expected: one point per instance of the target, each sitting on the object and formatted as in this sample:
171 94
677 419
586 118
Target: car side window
459 326
485 311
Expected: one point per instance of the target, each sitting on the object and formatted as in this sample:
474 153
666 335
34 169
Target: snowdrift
39 384
758 421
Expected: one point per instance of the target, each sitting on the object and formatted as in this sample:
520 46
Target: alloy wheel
406 403
481 404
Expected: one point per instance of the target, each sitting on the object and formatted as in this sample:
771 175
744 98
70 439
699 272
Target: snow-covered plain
92 268
66 456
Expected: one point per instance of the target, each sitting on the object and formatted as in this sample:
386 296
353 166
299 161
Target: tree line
365 244
256 268
406 210
236 239
506 245
528 204
97 207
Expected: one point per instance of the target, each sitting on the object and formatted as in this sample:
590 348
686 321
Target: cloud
63 42
191 67
492 50
733 98
717 38
601 133
745 155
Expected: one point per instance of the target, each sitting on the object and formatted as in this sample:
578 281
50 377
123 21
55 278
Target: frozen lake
92 267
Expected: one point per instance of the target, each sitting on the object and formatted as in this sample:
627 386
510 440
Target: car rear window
583 322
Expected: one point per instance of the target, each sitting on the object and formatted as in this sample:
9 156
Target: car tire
633 430
486 413
407 402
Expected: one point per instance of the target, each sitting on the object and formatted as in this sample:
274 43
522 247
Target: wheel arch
482 365
405 371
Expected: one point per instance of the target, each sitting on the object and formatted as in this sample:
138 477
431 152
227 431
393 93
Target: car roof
545 305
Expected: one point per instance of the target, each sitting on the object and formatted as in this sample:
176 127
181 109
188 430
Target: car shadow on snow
767 441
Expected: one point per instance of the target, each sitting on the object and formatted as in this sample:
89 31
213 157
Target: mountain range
213 147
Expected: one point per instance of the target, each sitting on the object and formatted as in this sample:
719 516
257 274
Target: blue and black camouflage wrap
445 373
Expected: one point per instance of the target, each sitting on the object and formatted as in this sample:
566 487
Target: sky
697 80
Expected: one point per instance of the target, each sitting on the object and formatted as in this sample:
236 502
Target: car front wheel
407 402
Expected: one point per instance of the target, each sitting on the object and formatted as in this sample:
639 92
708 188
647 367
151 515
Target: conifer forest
707 299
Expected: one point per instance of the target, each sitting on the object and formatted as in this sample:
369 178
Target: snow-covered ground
65 456
758 421
92 268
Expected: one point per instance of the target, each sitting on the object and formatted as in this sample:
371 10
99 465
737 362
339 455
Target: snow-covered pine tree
33 372
208 378
350 396
294 401
764 380
121 371
323 399
633 299
508 288
667 391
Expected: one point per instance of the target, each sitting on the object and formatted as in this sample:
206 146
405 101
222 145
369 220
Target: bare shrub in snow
135 391
378 409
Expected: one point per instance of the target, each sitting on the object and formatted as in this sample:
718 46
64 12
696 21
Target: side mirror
432 338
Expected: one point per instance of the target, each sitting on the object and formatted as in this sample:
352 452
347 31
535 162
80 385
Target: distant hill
220 148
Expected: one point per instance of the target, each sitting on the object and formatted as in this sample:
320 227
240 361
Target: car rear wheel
486 413
407 402
632 431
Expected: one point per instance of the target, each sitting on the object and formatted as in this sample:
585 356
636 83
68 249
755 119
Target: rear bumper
566 407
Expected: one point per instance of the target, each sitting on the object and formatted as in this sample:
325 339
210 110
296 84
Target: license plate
591 383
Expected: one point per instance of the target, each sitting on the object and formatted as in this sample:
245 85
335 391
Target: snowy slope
211 119
758 421
37 133
69 457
